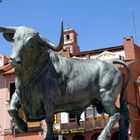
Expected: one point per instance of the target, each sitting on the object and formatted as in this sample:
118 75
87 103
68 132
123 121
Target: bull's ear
8 36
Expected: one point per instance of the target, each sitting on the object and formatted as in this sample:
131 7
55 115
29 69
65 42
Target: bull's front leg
13 112
50 121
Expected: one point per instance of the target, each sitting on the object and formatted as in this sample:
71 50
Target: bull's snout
14 62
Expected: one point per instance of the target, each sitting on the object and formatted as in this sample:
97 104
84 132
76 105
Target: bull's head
24 38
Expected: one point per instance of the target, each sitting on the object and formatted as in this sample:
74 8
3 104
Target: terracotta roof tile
9 72
98 51
5 67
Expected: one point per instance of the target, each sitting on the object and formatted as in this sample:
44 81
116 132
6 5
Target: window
121 57
67 37
89 112
72 118
12 89
92 112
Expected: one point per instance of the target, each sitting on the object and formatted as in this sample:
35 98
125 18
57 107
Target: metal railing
88 125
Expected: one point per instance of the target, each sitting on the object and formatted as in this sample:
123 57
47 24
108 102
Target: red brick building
91 123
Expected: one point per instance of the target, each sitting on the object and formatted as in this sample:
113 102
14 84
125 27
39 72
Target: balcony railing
72 125
88 125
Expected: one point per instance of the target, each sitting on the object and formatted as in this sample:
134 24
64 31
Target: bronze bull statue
48 83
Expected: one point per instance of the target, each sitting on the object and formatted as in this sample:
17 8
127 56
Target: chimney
129 48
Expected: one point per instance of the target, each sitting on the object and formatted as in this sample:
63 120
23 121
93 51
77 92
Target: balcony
88 125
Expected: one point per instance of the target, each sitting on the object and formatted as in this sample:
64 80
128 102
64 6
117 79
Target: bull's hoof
22 126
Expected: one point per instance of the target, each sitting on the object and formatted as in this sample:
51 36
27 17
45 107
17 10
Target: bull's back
82 86
84 82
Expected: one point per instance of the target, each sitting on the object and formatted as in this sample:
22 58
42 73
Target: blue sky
99 23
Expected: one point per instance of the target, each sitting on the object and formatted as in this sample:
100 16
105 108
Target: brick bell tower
70 43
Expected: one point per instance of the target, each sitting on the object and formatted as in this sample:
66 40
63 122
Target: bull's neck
28 76
31 71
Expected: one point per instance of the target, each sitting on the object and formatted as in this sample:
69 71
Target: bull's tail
124 120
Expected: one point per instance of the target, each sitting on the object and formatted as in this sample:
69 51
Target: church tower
70 43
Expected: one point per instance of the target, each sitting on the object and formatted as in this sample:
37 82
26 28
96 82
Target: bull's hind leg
110 108
13 112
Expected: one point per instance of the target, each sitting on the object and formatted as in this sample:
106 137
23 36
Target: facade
91 123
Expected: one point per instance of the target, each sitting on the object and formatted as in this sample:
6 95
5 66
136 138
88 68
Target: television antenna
133 23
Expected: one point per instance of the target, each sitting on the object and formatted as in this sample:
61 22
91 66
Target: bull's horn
7 29
51 45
